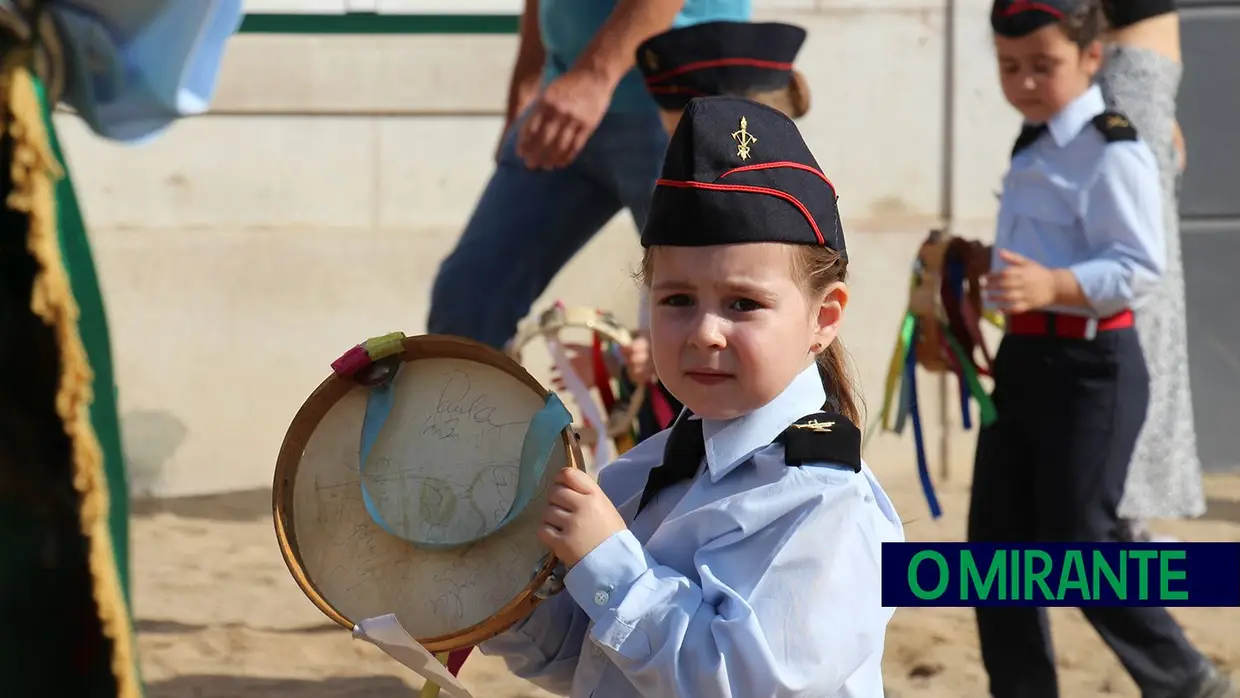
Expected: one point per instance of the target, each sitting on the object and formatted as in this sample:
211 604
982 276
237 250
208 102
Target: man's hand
521 96
1021 286
578 517
526 71
563 118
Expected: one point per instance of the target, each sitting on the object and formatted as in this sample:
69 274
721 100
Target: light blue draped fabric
136 66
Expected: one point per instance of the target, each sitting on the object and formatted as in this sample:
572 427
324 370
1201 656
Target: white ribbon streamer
581 395
386 633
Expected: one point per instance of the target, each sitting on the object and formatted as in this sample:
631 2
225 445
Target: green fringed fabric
65 620
93 328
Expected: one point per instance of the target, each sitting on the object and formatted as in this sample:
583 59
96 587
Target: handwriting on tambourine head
461 412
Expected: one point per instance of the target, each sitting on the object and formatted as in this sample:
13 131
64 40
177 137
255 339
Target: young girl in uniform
1078 248
736 554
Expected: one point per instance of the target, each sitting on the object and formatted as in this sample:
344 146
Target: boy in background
743 59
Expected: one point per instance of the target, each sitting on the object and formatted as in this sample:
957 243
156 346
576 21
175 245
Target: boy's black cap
1016 18
737 171
718 58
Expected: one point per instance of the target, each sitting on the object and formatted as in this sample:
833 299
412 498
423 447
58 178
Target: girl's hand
578 517
1021 286
638 362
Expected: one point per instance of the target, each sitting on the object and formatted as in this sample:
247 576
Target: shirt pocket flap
1043 202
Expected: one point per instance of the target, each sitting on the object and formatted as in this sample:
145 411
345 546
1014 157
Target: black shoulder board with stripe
823 437
1115 127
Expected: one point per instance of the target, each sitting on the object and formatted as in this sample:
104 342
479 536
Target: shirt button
601 597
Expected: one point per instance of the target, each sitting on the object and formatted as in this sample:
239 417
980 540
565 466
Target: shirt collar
1065 125
729 442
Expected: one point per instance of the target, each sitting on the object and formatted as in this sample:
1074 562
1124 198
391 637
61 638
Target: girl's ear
830 314
1091 58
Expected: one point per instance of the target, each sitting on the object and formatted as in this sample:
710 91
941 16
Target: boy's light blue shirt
1072 200
754 579
568 26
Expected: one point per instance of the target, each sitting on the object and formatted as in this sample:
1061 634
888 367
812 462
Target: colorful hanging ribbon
602 381
923 469
904 343
900 399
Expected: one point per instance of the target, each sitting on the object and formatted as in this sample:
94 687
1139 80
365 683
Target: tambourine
412 482
618 415
946 298
925 301
940 332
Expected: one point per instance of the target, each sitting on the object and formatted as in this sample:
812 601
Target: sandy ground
219 616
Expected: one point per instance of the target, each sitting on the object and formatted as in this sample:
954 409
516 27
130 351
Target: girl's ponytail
833 368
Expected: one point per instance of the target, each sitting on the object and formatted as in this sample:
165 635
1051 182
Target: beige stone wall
246 249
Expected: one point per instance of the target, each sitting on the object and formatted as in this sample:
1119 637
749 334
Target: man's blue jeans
529 224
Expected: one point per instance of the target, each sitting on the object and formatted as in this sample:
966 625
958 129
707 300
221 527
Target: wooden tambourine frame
560 317
926 298
925 301
305 558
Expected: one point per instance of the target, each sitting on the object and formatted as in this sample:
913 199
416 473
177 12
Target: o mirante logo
1060 574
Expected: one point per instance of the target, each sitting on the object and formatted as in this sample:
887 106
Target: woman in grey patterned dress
1141 78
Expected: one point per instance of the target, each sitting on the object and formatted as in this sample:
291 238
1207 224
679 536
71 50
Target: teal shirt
568 26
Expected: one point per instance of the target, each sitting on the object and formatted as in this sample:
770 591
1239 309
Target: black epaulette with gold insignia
1114 127
823 437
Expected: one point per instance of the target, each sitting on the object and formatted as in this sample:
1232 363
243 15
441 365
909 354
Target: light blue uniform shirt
754 580
1073 200
568 26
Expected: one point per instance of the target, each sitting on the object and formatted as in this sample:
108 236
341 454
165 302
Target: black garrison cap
1016 18
718 58
737 171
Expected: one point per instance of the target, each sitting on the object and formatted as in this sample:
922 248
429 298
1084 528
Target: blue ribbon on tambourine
541 437
135 66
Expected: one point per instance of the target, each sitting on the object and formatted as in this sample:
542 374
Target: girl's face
730 327
1044 71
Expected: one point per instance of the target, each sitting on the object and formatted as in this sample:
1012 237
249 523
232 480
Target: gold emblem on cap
652 61
815 425
1117 121
744 139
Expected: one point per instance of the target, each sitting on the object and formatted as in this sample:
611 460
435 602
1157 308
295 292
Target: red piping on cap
780 163
673 89
1026 6
718 63
709 186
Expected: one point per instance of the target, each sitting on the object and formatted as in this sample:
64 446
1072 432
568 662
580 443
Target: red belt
1066 326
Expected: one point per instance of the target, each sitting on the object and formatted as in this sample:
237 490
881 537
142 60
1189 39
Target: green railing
373 23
